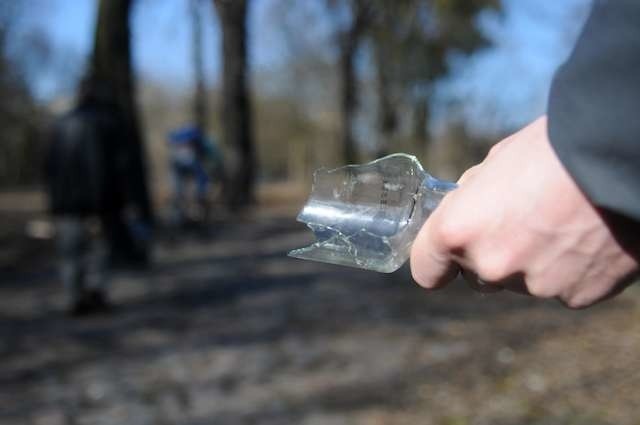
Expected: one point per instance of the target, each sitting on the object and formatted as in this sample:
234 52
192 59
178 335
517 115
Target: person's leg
97 260
72 241
178 202
202 191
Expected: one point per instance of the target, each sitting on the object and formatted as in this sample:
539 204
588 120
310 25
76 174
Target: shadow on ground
227 330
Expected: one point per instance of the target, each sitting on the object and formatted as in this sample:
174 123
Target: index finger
432 265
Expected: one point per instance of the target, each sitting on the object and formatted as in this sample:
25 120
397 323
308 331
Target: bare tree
411 40
200 92
236 107
111 62
349 40
21 119
384 60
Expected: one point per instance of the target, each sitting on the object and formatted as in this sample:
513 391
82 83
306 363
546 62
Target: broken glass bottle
367 216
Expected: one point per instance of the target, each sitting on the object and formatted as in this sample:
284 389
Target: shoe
92 302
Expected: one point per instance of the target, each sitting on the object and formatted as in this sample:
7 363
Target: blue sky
161 36
530 40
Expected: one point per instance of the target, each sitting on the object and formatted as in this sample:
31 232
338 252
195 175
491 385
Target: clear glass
367 216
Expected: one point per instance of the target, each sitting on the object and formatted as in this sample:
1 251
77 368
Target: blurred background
170 299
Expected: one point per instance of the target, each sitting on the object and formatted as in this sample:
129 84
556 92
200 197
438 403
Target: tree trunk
421 134
349 96
387 120
200 92
111 62
236 110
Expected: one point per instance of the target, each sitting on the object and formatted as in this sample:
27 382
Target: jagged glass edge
429 181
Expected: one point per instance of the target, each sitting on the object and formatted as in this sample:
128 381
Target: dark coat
594 108
87 162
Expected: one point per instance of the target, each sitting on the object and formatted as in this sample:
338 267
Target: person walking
86 168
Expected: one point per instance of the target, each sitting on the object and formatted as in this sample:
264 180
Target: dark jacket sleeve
594 108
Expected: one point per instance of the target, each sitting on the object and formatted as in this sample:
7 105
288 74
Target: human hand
518 221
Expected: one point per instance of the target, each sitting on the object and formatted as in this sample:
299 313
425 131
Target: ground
225 329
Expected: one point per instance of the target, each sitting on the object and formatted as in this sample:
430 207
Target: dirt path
227 330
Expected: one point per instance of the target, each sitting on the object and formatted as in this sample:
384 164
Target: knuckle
452 234
418 277
494 268
418 271
424 275
468 173
494 149
576 302
541 289
499 146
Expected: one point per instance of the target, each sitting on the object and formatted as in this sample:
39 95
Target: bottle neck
432 191
438 185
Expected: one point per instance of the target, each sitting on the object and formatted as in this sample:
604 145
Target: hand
519 221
